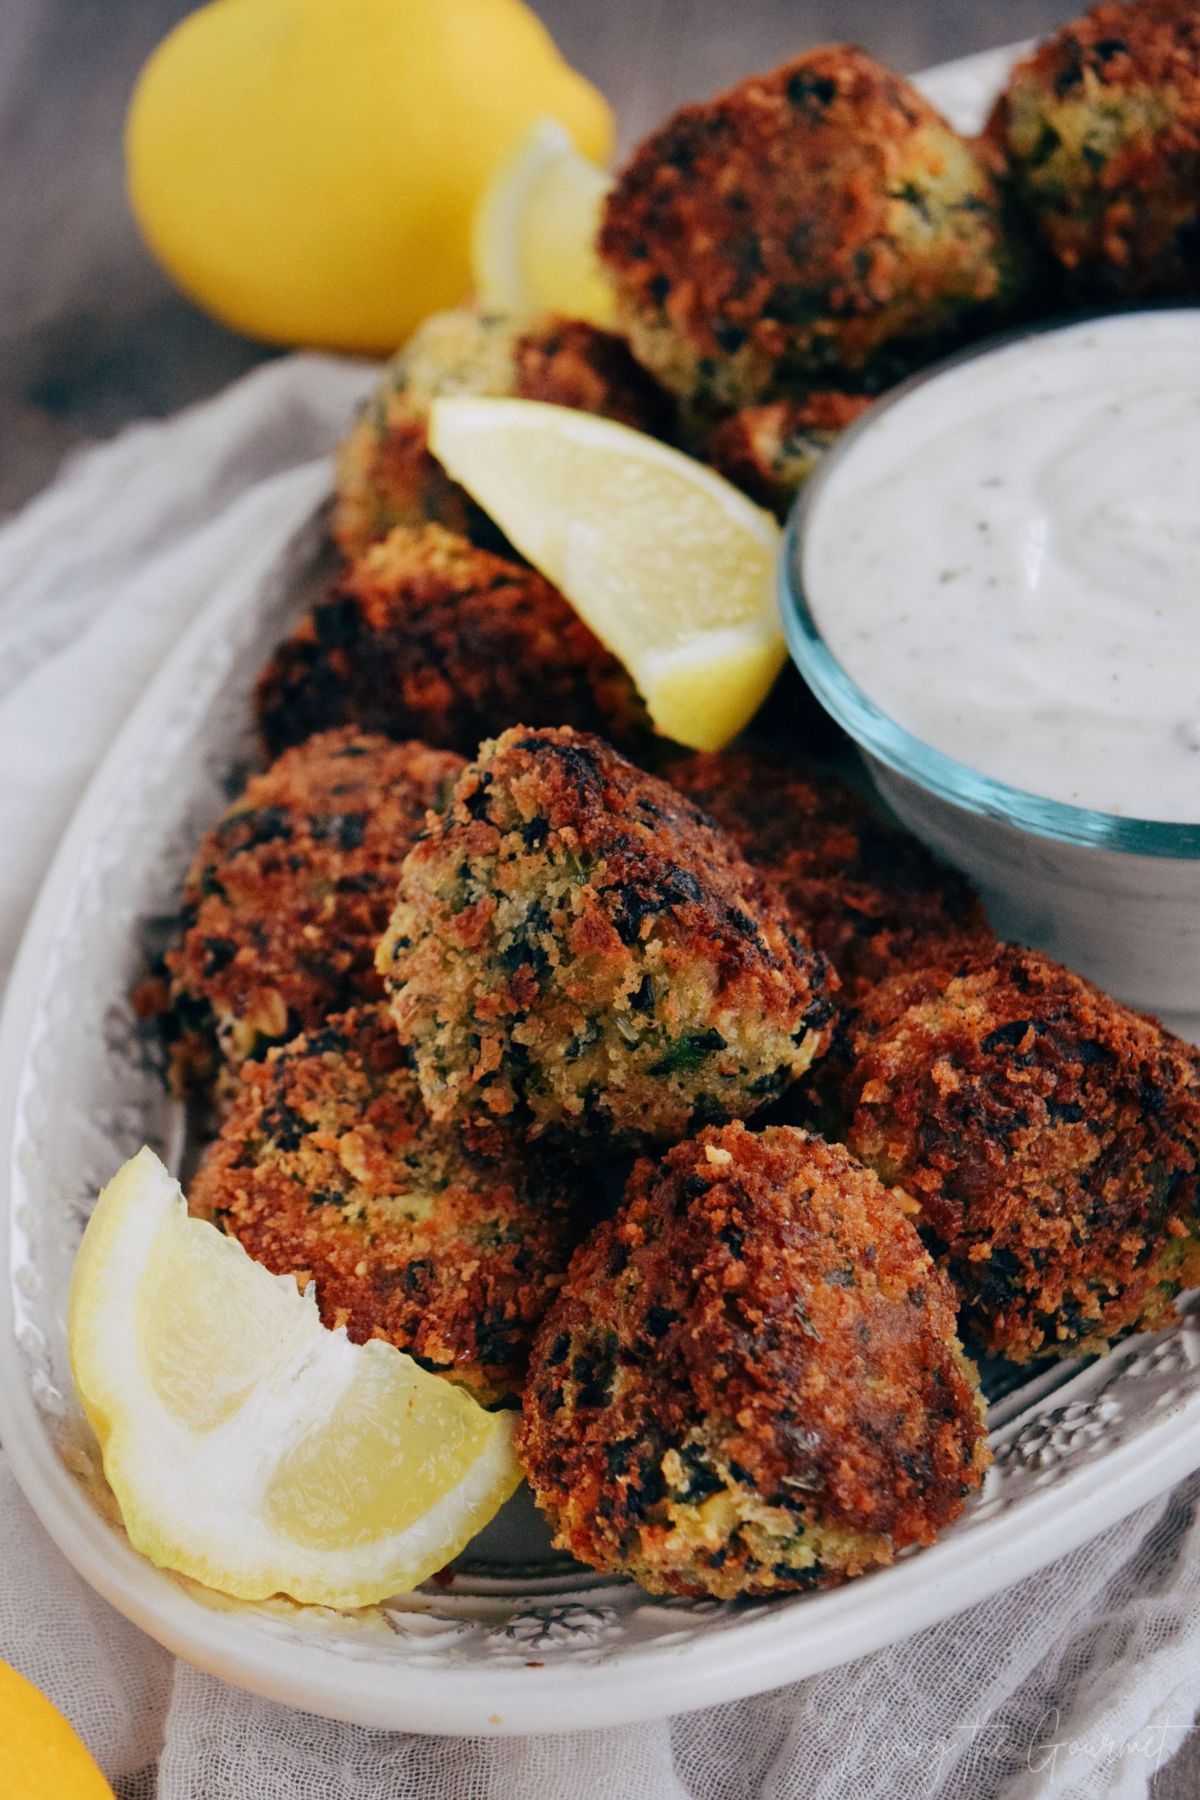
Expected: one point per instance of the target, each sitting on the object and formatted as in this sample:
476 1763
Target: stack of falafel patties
694 1111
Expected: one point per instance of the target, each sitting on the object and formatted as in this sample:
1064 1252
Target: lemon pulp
671 566
534 231
247 1446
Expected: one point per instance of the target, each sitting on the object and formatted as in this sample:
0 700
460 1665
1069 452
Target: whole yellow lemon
40 1755
307 169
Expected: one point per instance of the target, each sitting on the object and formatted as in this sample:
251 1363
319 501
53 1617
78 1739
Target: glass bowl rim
878 735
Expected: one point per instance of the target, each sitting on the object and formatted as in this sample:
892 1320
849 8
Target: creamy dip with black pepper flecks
1006 559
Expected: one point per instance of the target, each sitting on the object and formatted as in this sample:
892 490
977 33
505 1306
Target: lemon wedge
248 1447
534 231
40 1753
671 566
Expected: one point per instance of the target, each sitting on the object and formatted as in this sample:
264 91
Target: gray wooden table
92 335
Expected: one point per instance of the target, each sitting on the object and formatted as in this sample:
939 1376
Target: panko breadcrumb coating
386 474
427 636
864 892
577 949
1051 1138
821 223
770 451
328 1168
287 896
751 1381
1101 131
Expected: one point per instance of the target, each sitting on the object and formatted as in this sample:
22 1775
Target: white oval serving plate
519 1640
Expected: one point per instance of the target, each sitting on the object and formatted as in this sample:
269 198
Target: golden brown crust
288 894
1051 1138
566 362
863 891
428 636
328 1168
770 451
1100 127
387 475
820 218
577 947
750 1380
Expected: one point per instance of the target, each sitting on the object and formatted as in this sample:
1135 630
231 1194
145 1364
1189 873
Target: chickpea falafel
1100 129
1050 1137
427 636
577 949
328 1168
387 475
750 1381
287 895
866 894
819 222
770 451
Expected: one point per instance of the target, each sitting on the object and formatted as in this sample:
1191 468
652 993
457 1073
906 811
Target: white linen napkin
1076 1684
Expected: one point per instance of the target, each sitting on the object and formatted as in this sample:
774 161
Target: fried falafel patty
427 636
770 451
750 1381
1051 1138
386 473
818 223
1100 128
287 896
577 948
865 893
328 1168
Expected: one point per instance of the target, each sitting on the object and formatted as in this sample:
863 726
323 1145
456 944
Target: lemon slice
671 566
248 1447
534 231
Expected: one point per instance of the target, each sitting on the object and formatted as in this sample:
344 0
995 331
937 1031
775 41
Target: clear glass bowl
1116 898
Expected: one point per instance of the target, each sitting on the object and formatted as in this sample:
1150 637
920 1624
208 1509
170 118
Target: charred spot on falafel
818 223
866 894
328 1168
1051 1138
287 896
579 949
427 636
750 1381
1100 129
771 451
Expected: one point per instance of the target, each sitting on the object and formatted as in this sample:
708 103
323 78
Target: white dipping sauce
1006 560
